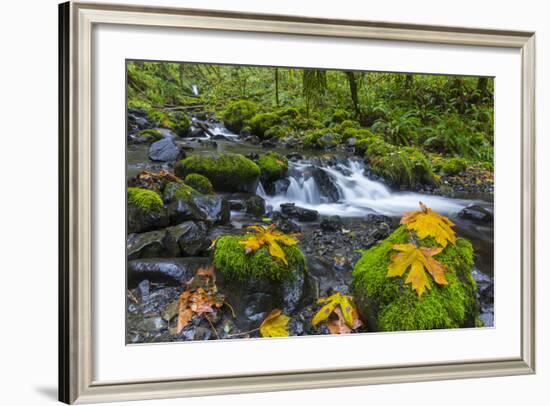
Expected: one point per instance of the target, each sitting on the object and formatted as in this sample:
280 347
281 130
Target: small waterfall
195 89
359 195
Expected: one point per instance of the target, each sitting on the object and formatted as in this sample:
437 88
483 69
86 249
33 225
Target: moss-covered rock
160 118
453 166
144 199
400 166
226 172
321 139
339 115
388 304
231 260
237 113
150 135
273 166
288 112
180 123
199 182
277 131
262 122
145 210
185 203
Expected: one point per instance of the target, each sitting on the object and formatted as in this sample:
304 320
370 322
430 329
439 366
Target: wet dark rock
287 226
214 208
144 289
351 142
253 156
208 143
220 137
258 305
292 290
165 150
245 132
325 185
299 213
277 187
140 221
476 213
195 132
331 223
328 141
294 156
170 271
252 139
255 206
181 210
236 205
152 244
268 144
190 238
139 121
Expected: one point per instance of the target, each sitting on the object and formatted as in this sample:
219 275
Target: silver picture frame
76 22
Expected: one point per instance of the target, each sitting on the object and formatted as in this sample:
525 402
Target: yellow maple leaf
342 306
418 259
427 223
268 236
275 325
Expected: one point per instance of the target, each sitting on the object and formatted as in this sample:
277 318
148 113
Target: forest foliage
431 115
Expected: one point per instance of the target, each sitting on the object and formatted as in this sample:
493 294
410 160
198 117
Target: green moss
180 123
405 166
231 260
277 131
146 200
288 112
226 172
262 122
199 182
321 138
151 134
237 113
453 166
179 191
339 115
273 166
388 304
160 118
134 103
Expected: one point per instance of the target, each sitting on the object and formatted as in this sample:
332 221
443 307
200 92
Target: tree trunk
482 86
277 87
353 91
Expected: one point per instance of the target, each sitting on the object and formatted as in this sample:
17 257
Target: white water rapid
358 195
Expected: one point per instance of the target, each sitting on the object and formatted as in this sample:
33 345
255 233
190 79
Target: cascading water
358 195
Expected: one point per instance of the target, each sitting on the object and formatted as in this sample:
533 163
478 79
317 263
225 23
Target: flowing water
357 195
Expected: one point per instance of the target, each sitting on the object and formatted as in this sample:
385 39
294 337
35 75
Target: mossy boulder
388 304
404 167
321 139
339 115
262 122
226 172
259 274
180 123
273 166
185 203
145 210
277 131
199 182
149 135
237 113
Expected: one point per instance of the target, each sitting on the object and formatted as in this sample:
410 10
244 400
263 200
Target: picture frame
76 215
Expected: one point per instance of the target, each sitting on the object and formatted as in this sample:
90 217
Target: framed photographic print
282 187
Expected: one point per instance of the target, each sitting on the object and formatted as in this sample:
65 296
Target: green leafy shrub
387 304
453 166
277 131
339 115
199 182
237 113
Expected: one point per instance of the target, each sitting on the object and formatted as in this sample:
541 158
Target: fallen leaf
342 306
418 259
427 223
275 325
268 236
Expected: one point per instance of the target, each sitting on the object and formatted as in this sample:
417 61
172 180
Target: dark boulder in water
299 213
170 271
165 150
476 213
